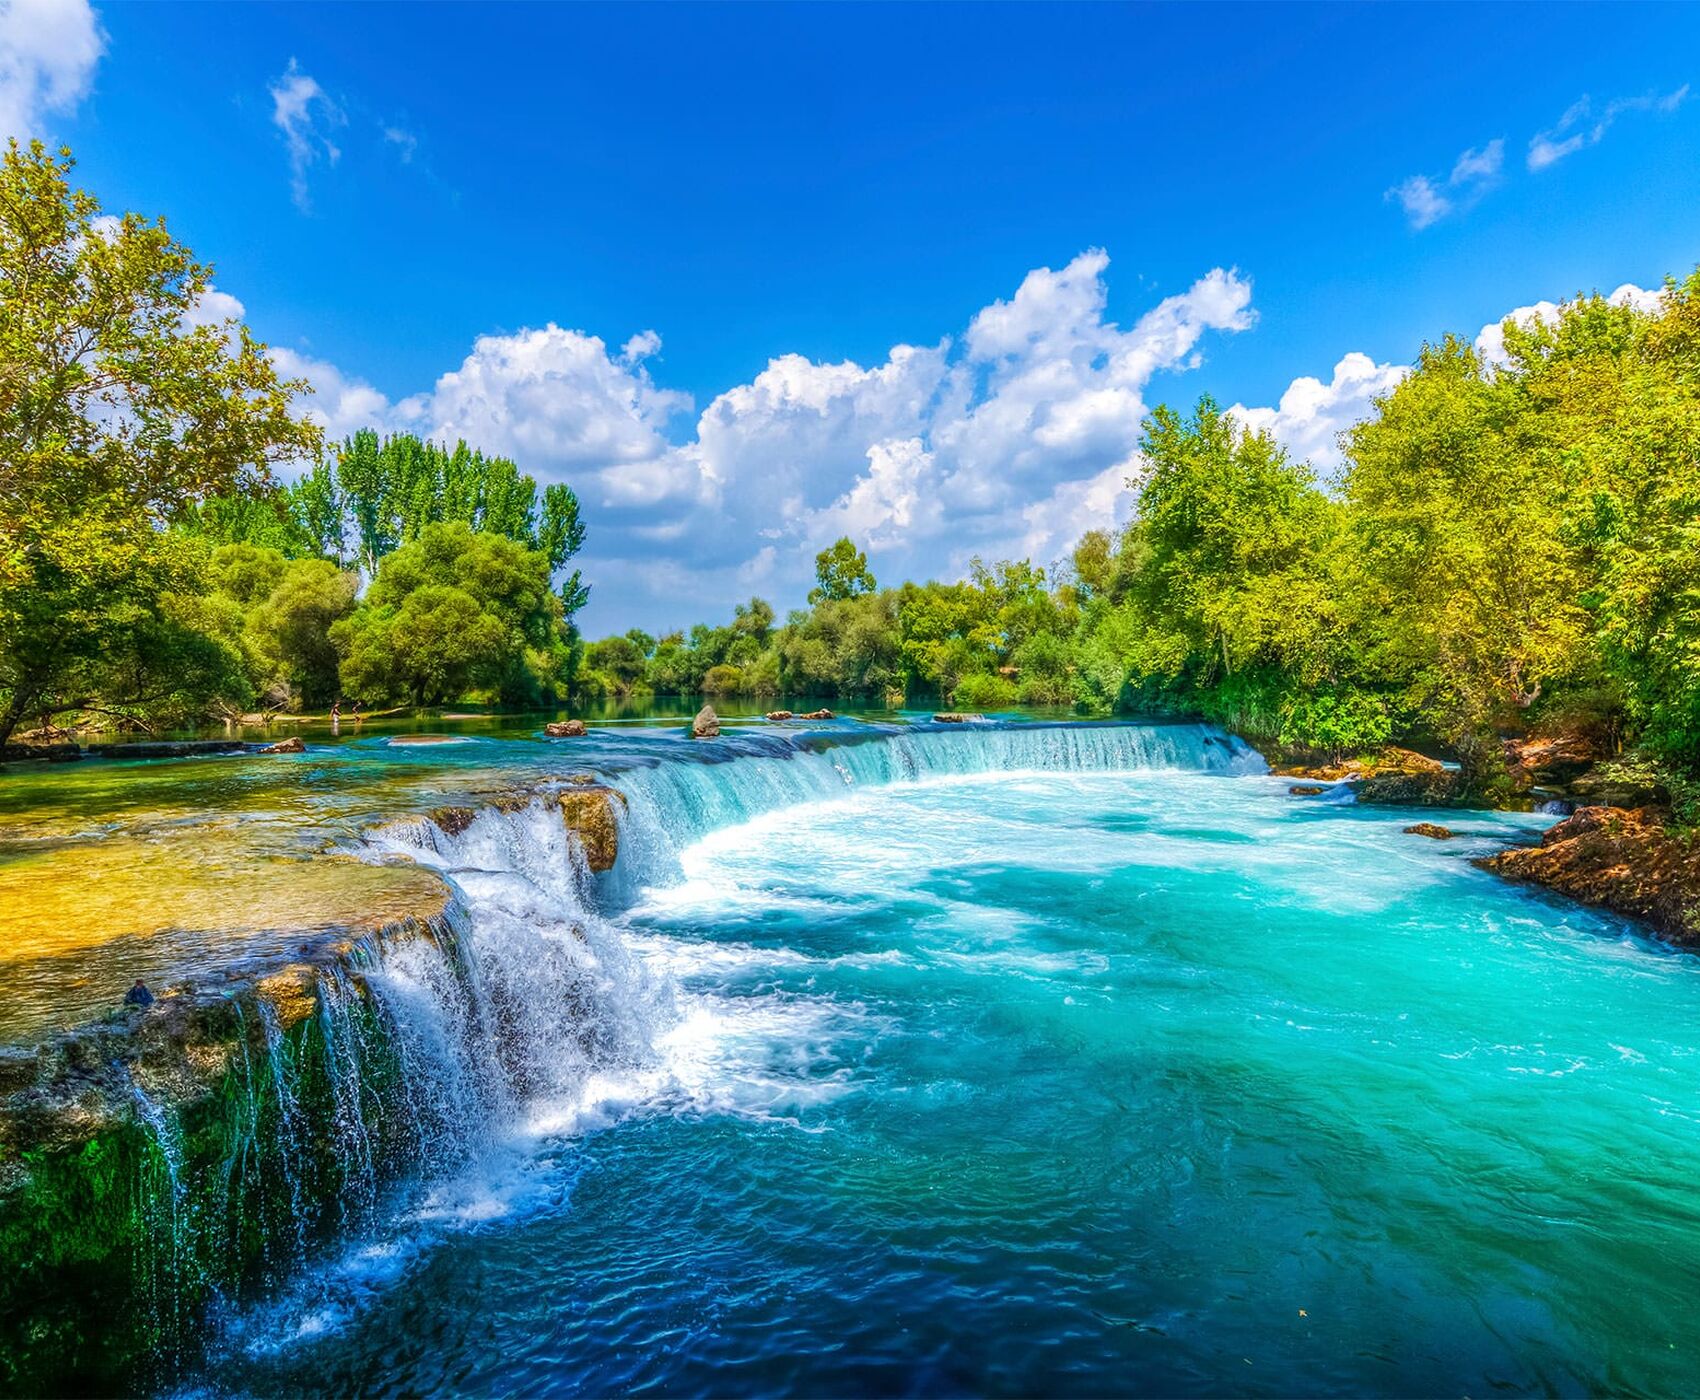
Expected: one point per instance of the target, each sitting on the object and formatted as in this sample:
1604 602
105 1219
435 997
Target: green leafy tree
841 571
453 614
120 411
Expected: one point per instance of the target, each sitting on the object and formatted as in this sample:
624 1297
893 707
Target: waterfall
425 1057
671 803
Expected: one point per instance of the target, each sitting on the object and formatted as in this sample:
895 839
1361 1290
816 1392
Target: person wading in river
139 995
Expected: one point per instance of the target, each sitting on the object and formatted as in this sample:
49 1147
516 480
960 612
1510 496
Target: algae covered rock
588 811
706 725
953 717
1433 830
1306 790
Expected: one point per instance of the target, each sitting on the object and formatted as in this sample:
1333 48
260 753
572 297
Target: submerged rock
706 725
293 744
1431 829
566 729
1627 861
186 748
588 811
1306 790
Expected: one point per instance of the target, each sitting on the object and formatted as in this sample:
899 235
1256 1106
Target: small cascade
674 803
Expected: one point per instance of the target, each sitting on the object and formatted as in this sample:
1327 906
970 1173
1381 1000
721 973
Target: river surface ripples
1044 1081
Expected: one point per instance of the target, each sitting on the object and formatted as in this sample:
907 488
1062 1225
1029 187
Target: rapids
1064 1059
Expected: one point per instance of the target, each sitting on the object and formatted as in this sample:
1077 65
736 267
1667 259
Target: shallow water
1041 1079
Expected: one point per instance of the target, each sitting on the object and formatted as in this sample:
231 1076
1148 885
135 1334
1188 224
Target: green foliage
456 614
841 572
119 414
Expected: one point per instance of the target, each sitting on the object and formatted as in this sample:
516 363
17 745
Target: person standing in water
139 995
336 717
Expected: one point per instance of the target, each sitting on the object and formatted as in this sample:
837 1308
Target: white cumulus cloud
1312 415
1009 439
1490 343
48 53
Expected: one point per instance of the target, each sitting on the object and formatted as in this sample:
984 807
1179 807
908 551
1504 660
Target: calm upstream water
1072 1060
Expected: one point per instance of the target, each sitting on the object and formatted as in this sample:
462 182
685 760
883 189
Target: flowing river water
1003 1059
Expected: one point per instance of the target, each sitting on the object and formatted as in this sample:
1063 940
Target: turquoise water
1084 1061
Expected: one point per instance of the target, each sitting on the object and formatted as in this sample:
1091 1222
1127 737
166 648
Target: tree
292 625
453 613
841 571
121 409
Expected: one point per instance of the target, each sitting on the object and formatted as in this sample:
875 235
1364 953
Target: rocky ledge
1394 776
164 1157
587 809
1626 860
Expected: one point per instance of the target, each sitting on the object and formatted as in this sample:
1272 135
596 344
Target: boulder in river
952 717
780 714
706 725
817 714
588 812
293 744
1431 829
565 729
1306 790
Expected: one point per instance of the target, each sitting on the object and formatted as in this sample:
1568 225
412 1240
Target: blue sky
784 195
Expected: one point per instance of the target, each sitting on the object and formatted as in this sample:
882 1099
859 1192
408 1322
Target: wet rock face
706 725
160 1158
588 811
1433 830
187 748
1627 861
566 729
1548 762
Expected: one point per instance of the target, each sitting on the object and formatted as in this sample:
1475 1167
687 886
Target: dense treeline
152 568
1513 545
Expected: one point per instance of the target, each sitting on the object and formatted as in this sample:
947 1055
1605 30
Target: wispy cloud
405 142
305 114
1426 199
1582 126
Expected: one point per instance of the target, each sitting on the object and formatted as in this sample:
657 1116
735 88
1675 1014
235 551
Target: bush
983 691
723 680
